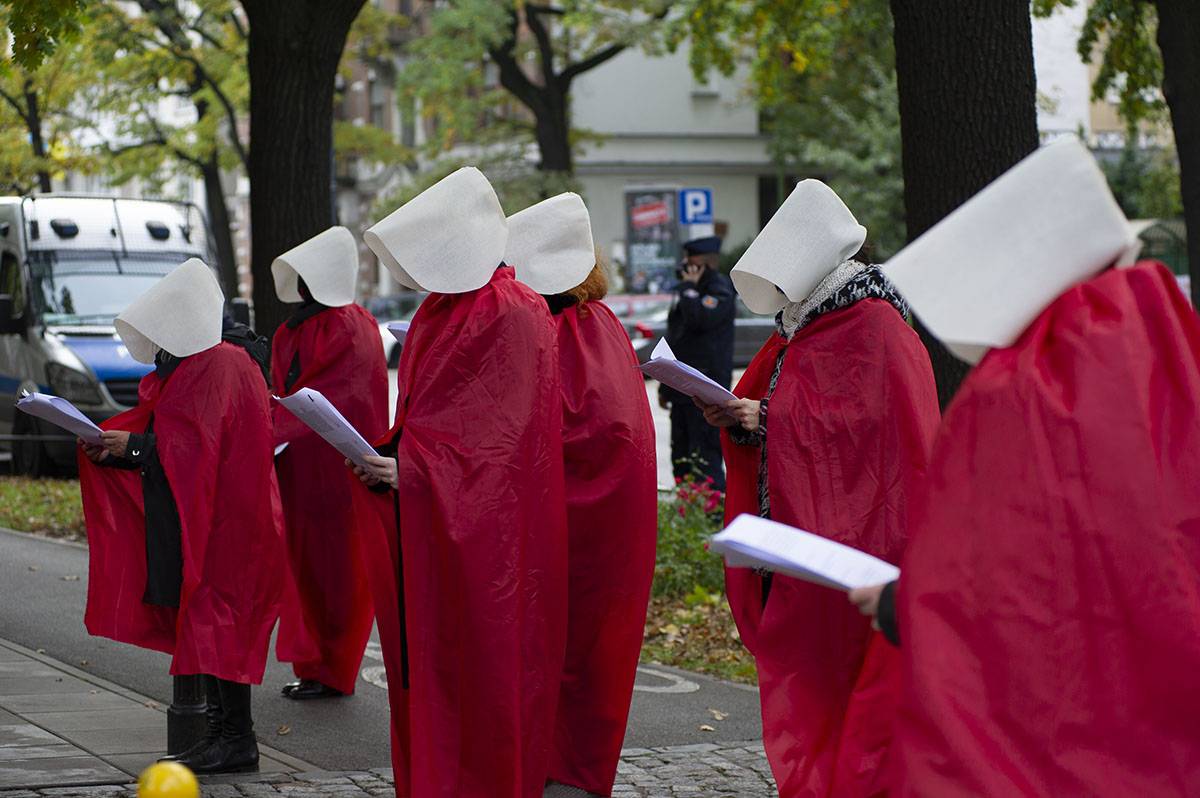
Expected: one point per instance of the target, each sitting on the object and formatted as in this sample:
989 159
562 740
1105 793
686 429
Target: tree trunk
967 113
1179 41
218 222
294 49
553 130
33 121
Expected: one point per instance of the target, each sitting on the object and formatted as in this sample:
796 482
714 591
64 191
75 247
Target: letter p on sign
696 206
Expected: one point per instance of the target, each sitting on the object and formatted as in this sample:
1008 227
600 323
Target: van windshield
92 287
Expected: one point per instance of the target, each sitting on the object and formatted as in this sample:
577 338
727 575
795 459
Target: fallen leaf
34 568
94 692
70 578
718 714
41 651
284 730
706 727
85 662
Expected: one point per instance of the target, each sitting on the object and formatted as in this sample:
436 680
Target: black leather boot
236 749
214 716
306 689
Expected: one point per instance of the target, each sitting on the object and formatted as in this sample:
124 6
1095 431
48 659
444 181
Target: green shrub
686 521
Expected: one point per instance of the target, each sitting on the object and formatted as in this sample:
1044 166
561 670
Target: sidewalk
61 727
65 733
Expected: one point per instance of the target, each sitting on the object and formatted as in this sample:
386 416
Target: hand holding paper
753 542
663 367
60 413
323 418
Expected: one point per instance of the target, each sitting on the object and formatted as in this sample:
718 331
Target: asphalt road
43 586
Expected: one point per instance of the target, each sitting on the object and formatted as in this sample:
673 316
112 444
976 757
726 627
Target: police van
68 266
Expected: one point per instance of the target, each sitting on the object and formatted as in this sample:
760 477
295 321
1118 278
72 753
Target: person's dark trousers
695 445
230 745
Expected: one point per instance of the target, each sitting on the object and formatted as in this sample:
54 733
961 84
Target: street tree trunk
294 50
1179 41
33 120
553 131
218 221
967 114
548 95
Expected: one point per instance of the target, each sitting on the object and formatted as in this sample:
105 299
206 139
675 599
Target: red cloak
482 546
1050 601
212 426
330 607
612 528
848 432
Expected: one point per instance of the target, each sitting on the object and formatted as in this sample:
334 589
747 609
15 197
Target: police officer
700 333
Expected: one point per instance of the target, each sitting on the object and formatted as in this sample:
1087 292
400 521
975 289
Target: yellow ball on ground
168 780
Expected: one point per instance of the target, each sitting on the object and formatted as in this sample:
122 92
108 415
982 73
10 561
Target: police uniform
700 333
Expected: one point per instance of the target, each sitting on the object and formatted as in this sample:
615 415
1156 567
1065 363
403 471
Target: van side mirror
240 310
8 324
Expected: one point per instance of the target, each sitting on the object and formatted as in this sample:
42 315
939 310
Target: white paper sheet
60 413
399 330
323 418
753 542
663 367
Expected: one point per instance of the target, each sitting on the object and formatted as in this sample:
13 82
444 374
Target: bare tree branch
591 62
545 46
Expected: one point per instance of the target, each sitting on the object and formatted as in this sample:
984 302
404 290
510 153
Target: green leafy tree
42 109
195 51
39 27
839 120
1144 46
496 78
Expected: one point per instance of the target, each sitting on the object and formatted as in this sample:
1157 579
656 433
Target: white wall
663 128
638 93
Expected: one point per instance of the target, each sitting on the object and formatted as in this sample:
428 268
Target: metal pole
186 721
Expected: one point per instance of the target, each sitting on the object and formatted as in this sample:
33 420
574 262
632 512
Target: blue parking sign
696 206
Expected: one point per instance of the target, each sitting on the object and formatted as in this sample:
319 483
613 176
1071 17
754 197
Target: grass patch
50 507
697 633
689 625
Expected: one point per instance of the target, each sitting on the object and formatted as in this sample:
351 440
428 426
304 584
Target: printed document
323 418
663 367
399 330
754 542
60 413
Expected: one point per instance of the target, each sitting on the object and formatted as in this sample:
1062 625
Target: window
12 284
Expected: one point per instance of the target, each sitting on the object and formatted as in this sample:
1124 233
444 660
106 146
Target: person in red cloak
1049 603
330 345
182 509
612 491
473 511
852 412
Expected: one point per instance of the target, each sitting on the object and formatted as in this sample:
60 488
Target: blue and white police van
68 266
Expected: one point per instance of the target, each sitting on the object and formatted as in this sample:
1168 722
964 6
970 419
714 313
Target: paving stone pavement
710 770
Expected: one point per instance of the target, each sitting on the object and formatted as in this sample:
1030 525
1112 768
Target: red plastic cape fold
1050 600
213 432
848 431
612 522
482 546
327 619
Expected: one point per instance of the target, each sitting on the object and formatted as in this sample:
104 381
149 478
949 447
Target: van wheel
29 458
